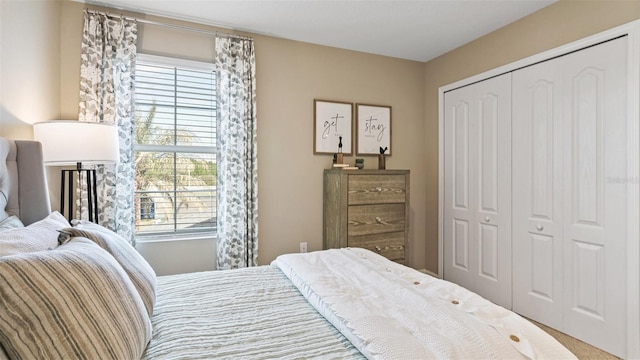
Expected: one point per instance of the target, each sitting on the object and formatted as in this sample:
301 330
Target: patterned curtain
107 95
237 161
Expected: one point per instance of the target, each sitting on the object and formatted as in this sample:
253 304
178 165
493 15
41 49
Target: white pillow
12 222
41 235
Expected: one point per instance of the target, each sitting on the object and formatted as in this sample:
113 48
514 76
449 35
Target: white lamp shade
66 142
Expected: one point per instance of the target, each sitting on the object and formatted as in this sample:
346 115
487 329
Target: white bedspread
389 311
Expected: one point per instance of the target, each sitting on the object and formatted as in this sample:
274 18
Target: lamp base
92 192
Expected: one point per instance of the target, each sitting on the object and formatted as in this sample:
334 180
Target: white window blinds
175 146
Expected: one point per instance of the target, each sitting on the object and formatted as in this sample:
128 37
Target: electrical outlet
303 247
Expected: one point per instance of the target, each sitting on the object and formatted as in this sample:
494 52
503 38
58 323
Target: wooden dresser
367 209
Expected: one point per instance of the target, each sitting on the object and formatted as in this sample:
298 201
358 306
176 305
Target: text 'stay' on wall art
373 126
332 120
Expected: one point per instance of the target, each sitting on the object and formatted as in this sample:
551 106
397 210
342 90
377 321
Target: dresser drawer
376 189
375 219
367 209
389 245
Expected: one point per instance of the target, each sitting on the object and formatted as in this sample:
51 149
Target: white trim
176 148
633 193
441 183
156 238
176 62
632 30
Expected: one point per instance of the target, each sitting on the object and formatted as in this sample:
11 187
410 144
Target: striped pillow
75 301
138 269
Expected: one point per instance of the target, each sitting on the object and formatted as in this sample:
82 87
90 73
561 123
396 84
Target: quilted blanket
389 311
252 313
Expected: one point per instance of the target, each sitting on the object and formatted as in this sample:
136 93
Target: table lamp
70 142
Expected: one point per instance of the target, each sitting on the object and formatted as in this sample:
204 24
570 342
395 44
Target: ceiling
417 30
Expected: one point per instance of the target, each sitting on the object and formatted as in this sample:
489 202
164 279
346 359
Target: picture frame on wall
332 120
373 129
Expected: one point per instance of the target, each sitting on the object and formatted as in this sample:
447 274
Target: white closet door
569 194
537 189
477 189
595 207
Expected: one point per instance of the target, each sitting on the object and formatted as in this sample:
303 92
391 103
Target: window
175 146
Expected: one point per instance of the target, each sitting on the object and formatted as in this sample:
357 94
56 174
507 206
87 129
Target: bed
84 292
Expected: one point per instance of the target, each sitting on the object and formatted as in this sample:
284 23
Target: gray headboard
23 181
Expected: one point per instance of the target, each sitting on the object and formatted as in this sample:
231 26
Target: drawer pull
379 248
487 219
378 189
379 220
540 227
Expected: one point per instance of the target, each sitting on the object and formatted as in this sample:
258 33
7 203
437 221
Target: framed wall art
332 122
373 129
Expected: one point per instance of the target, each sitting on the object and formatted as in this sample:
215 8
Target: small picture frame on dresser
373 129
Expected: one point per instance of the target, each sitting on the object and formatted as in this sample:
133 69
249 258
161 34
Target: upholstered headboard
23 182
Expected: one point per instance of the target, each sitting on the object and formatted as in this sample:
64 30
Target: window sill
143 239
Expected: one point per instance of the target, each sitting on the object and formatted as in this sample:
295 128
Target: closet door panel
586 166
489 251
537 189
459 201
488 164
595 211
460 245
493 188
460 150
585 203
477 215
541 129
541 274
589 284
488 160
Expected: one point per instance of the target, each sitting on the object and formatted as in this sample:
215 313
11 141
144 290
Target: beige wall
290 75
30 70
555 25
29 65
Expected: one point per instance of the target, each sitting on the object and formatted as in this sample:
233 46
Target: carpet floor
582 350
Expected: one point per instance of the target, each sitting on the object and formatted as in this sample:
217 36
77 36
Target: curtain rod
173 26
